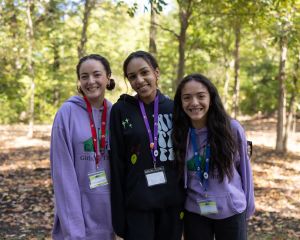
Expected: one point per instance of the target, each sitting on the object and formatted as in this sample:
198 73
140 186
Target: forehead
193 87
136 64
91 65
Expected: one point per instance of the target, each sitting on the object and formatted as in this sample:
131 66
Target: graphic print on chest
164 137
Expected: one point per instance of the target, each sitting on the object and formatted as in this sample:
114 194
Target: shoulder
124 100
237 129
109 105
68 108
166 102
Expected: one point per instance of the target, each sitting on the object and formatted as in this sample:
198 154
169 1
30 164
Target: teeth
196 110
92 88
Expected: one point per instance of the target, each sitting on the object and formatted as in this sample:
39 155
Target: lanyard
153 144
202 173
93 129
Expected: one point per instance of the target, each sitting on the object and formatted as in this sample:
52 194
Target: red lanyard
93 129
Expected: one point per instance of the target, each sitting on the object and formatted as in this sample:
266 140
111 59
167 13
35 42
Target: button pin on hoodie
126 123
133 158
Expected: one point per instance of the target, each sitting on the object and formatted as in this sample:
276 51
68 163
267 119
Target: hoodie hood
79 101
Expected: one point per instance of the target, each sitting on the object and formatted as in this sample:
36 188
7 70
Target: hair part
220 137
140 54
111 82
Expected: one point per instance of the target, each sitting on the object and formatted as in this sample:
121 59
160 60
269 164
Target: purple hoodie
80 212
231 197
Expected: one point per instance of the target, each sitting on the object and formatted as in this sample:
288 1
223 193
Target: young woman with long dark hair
212 151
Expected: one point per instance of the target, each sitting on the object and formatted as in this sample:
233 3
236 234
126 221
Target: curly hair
220 137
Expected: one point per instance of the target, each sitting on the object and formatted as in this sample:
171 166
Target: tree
153 29
185 13
284 15
30 38
88 6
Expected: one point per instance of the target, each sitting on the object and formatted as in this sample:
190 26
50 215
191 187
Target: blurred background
249 49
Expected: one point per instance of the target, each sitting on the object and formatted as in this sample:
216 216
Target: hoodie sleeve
245 171
64 177
118 178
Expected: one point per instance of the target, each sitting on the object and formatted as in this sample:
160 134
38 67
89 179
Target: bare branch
166 29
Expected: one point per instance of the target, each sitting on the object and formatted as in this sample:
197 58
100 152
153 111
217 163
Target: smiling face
93 80
143 79
195 100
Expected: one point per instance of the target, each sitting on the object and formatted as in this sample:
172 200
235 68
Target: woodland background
249 49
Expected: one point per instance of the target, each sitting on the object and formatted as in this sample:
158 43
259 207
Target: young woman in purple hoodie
79 157
212 149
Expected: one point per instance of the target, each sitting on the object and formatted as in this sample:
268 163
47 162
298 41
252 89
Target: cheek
132 85
184 107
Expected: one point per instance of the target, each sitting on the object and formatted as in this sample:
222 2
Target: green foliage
115 32
260 86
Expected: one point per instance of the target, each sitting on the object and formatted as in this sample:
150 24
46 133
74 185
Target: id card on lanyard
206 206
154 176
98 177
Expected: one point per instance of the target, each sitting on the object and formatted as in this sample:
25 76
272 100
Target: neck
149 99
198 124
97 103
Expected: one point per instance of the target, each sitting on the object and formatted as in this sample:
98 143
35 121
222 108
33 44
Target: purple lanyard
153 144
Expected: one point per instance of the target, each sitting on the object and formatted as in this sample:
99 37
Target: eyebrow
84 73
194 93
141 69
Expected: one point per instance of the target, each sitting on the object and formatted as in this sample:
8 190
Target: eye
97 75
84 77
201 96
186 98
144 72
131 77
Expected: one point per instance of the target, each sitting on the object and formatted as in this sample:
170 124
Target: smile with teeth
195 110
92 88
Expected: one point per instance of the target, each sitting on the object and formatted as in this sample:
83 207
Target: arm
66 189
118 178
245 171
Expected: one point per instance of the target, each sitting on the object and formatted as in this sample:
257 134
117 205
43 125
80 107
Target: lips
195 110
144 87
91 89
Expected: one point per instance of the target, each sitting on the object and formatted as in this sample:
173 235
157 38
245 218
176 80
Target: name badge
208 207
97 179
155 176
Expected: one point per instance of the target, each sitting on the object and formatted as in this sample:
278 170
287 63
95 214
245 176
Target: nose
139 78
91 79
194 101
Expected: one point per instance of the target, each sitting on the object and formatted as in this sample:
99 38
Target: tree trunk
291 111
226 83
185 12
281 117
30 38
89 4
236 70
55 68
153 30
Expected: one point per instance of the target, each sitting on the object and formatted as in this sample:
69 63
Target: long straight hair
220 136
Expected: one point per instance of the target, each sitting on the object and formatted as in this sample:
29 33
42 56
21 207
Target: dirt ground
26 195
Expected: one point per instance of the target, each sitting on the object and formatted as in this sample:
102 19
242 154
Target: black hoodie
130 155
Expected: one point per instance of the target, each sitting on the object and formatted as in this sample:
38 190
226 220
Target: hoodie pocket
223 202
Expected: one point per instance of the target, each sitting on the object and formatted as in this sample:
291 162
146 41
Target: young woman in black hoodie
146 192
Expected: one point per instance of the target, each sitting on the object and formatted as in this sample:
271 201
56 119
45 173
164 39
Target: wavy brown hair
220 138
